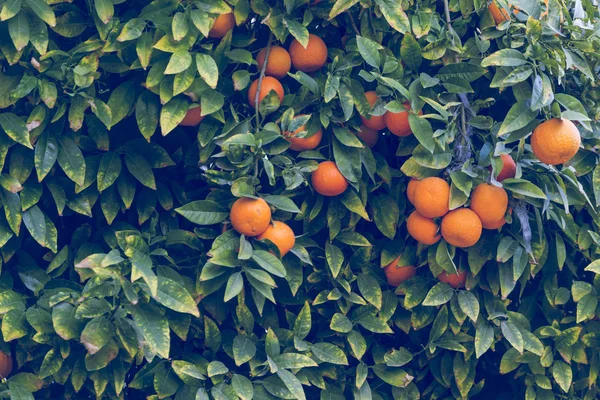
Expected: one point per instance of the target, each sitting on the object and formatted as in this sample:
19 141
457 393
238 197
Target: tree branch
260 80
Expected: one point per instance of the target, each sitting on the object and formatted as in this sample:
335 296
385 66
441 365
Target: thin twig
447 10
260 79
354 28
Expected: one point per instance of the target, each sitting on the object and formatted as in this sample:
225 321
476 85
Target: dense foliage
123 278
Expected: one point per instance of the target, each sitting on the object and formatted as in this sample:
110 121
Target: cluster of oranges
252 218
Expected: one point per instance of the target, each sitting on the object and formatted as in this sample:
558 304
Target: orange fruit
509 168
454 280
493 224
489 202
461 227
368 135
410 189
250 217
498 13
279 62
268 83
281 235
555 141
375 122
396 275
311 58
192 117
306 143
432 197
397 123
422 229
223 24
6 365
327 179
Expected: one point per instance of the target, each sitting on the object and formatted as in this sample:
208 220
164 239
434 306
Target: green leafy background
121 277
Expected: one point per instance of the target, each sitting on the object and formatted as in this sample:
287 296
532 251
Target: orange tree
266 199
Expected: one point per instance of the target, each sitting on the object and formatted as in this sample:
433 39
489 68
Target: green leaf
179 62
340 6
292 383
440 294
504 58
71 159
96 334
411 52
42 10
370 290
513 335
154 327
523 187
269 263
64 321
140 169
303 323
174 296
15 128
244 349
108 170
132 30
203 212
172 114
393 376
469 304
120 101
51 364
369 50
235 284
18 28
518 117
141 267
329 353
147 110
335 258
14 325
208 70
562 374
586 307
242 386
105 10
9 9
394 15
422 130
46 153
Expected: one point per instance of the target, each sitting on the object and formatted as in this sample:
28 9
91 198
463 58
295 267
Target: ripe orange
281 235
489 202
422 229
250 217
279 63
6 365
410 189
509 168
493 224
396 275
327 180
192 117
223 24
431 197
368 135
307 143
268 83
461 227
555 141
397 123
498 13
310 59
454 280
375 122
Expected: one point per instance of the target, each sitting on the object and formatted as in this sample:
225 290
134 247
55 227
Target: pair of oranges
461 227
252 218
395 122
309 59
396 274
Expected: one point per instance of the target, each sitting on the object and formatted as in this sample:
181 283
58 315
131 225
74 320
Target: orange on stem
281 235
424 230
279 62
461 227
268 83
368 135
509 168
396 275
250 217
432 197
555 141
374 122
309 59
489 202
192 117
397 123
327 179
6 365
223 24
454 280
498 13
306 143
